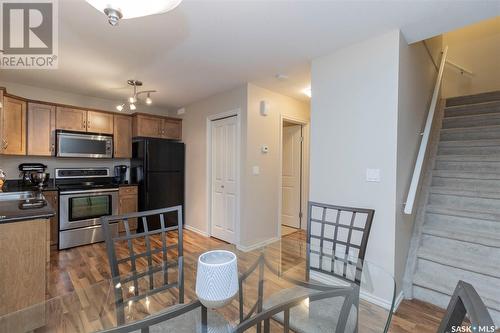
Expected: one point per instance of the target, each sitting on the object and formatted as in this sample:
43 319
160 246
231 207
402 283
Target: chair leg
204 319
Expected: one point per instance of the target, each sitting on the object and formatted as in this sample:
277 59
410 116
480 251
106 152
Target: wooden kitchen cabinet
99 122
146 125
41 129
128 204
53 200
122 138
13 126
172 129
71 119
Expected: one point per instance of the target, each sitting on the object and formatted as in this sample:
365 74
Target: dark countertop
16 185
10 211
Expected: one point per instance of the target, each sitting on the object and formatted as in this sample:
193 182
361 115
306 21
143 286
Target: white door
225 152
291 173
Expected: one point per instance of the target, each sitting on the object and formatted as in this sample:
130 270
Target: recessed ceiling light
281 77
307 91
127 9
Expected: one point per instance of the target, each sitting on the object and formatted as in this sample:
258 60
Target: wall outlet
373 175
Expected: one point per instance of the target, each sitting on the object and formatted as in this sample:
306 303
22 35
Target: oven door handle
90 192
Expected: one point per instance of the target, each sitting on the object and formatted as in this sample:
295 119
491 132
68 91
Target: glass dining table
283 276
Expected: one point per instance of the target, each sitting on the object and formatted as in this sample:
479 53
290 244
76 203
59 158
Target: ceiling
205 47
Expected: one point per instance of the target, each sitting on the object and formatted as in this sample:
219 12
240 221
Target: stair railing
419 163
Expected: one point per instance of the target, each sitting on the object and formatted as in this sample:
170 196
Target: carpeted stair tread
492 216
473 99
473 109
464 234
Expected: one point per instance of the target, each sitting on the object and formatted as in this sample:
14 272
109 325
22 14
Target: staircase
460 235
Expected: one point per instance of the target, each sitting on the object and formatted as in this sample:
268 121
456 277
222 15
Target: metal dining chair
344 322
466 303
337 237
148 256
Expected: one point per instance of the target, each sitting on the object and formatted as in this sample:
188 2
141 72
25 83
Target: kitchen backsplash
9 164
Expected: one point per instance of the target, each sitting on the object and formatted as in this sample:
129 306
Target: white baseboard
198 231
369 297
256 245
399 299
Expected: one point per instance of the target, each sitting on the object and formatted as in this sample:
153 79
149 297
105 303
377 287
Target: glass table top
272 272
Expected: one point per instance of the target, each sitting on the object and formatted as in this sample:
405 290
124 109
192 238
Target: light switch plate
255 170
373 175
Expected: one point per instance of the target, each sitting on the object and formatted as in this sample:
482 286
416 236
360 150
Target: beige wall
194 135
477 48
261 195
417 76
56 96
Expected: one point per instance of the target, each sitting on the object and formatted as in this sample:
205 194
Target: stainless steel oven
85 195
75 144
80 213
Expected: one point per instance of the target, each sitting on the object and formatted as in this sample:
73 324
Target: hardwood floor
86 265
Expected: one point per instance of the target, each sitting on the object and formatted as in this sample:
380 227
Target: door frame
304 179
210 119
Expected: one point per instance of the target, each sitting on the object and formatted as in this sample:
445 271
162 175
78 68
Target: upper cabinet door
99 122
71 119
122 136
13 126
147 126
172 129
41 129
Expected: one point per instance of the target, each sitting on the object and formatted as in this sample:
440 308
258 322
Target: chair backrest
347 294
144 254
466 302
337 237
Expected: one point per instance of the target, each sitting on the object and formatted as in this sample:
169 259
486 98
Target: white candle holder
217 278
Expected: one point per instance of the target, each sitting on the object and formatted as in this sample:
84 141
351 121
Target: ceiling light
135 97
127 9
307 91
149 101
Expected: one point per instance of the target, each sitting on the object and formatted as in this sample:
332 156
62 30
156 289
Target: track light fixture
135 98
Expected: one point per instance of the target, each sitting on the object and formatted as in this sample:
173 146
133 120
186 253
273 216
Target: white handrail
415 180
460 68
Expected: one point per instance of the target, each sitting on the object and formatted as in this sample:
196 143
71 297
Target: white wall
417 75
261 194
354 114
194 135
369 105
477 48
10 163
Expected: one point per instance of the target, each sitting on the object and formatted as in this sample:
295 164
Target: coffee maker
121 174
33 174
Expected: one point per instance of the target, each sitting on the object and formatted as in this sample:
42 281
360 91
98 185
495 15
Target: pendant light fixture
135 98
127 9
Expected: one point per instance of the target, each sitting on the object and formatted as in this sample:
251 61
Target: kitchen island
24 254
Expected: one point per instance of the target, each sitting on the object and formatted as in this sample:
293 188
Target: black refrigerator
157 166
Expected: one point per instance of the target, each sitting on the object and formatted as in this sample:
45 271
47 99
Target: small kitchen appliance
121 174
33 174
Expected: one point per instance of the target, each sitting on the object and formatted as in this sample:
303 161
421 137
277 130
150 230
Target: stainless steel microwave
75 144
